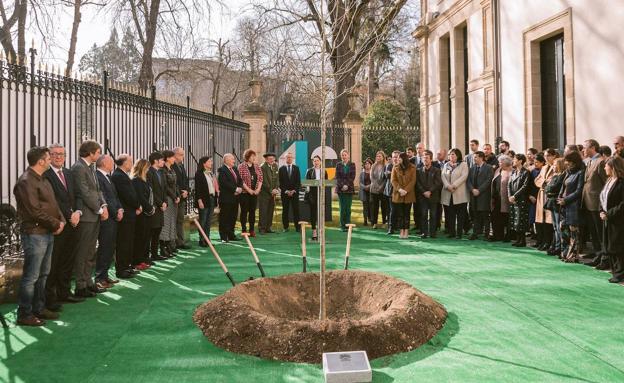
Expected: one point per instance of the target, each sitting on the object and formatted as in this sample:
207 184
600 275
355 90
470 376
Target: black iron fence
41 108
281 135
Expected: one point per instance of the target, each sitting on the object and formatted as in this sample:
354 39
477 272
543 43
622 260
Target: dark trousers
366 207
180 223
378 200
84 261
313 202
344 202
154 241
125 244
392 222
248 205
402 211
594 228
455 215
500 225
481 222
140 248
428 217
617 264
106 248
58 284
227 219
287 203
416 206
205 217
266 207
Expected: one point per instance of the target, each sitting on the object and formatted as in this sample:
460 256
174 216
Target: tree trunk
146 76
21 31
74 38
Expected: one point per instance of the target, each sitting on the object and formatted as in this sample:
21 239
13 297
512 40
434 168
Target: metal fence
280 135
41 108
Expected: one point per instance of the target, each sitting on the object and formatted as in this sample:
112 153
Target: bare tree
18 10
76 6
348 43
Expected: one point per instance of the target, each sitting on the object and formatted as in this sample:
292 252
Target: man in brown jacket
40 219
595 179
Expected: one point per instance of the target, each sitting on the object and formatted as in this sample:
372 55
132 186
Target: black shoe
473 237
97 290
458 236
184 247
159 258
616 280
56 307
450 235
285 230
603 266
234 239
434 235
85 293
72 299
124 274
424 236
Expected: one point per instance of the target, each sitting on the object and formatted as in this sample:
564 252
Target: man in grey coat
479 186
92 207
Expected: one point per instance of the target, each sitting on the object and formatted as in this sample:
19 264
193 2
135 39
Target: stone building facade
537 73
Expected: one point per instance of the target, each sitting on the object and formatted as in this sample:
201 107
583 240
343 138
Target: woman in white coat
454 194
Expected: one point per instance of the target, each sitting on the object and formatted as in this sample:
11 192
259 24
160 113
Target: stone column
256 116
353 121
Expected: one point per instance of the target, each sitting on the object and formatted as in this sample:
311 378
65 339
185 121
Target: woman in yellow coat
403 181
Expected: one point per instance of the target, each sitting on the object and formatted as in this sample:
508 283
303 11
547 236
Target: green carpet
514 316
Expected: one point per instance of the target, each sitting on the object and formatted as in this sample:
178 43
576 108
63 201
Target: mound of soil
277 318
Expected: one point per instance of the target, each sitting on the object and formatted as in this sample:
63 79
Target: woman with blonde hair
252 178
142 225
378 183
551 192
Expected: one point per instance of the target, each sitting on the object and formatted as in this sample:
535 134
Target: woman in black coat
311 196
570 204
552 190
142 225
612 214
518 191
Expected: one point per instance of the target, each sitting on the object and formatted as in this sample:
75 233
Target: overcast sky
95 27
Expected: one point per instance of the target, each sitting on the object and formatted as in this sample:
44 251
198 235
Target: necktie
289 172
108 177
476 177
62 177
233 174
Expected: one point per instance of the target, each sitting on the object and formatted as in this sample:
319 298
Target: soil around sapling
277 318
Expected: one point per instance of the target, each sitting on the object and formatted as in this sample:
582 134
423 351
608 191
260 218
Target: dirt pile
277 318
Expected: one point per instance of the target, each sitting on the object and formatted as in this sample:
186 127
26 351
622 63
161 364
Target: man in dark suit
93 209
230 188
125 228
108 229
428 187
595 179
290 183
156 180
183 184
58 284
479 184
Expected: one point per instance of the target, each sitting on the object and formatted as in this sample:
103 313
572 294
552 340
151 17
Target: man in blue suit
108 229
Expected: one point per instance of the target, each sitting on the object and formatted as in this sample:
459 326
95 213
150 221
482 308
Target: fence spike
1 55
32 43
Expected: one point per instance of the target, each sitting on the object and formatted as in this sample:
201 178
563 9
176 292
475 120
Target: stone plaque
347 367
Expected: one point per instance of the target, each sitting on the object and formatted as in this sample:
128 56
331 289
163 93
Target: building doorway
552 80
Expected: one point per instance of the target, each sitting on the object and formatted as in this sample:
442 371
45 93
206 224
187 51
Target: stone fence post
256 116
353 121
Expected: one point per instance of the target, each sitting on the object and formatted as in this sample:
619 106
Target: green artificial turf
514 316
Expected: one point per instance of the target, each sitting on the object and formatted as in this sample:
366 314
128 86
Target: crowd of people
560 200
76 222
